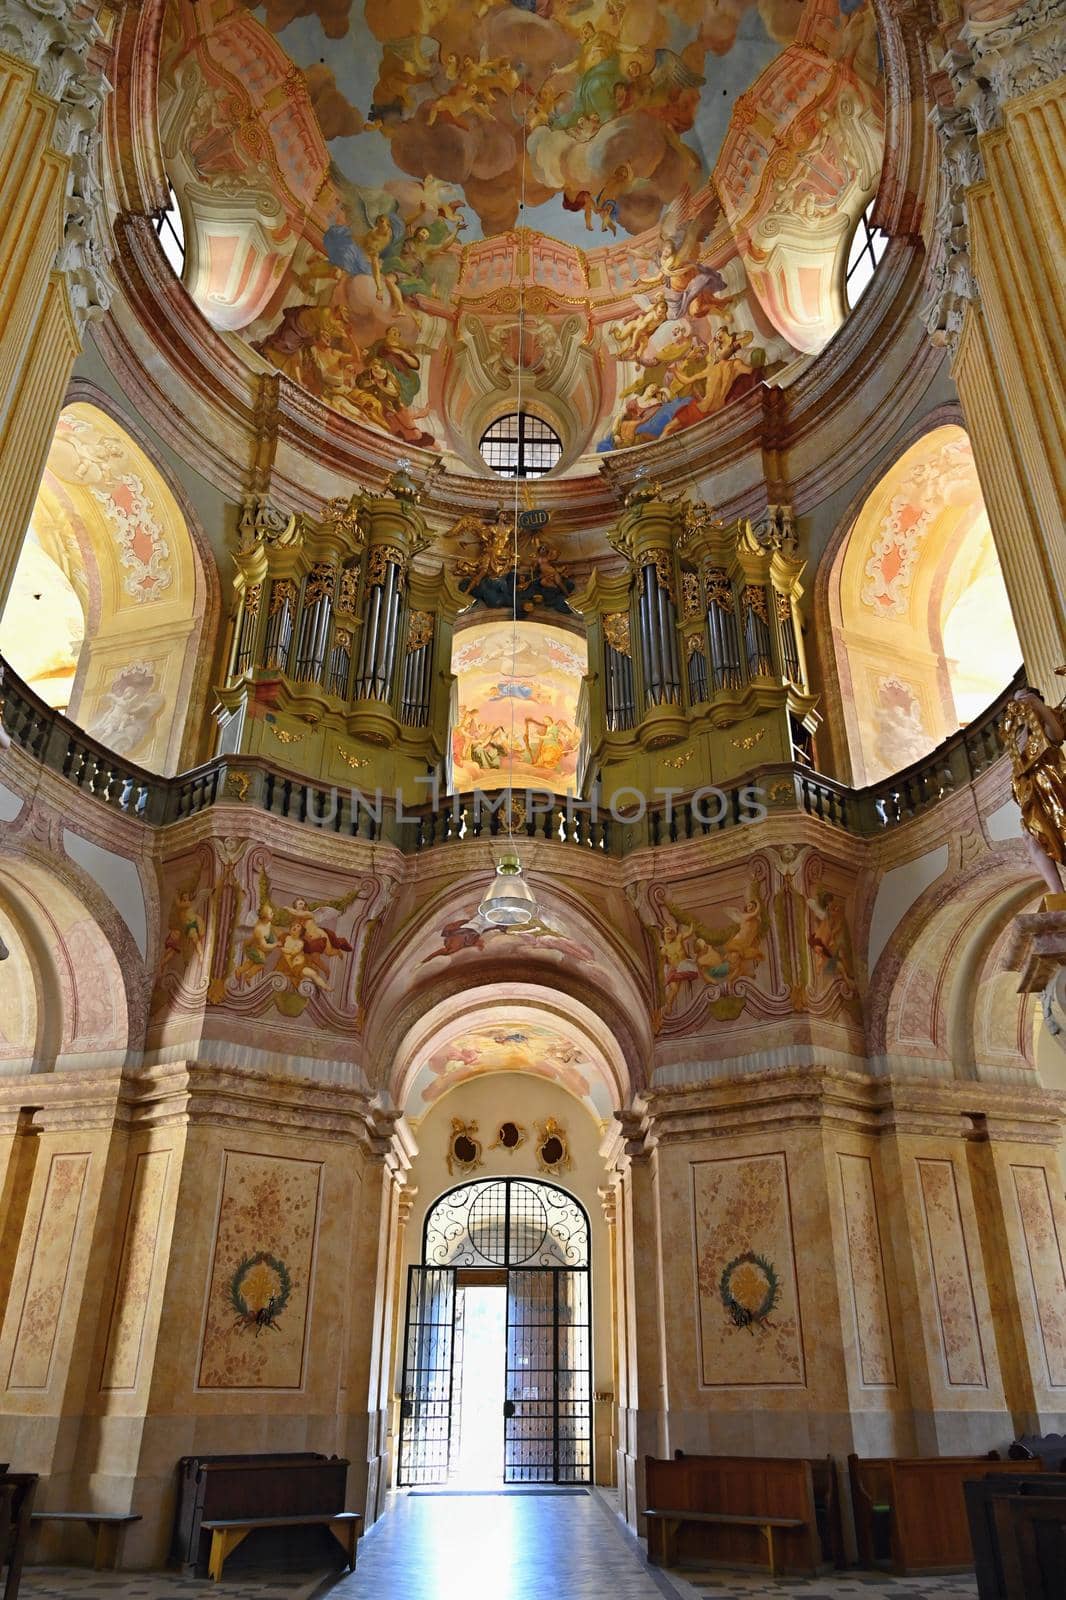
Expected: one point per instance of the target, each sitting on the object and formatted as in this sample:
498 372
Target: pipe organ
339 641
342 632
699 635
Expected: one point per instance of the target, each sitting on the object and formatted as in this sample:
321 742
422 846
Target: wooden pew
1031 1531
826 1505
105 1527
17 1490
733 1511
922 1501
245 1489
980 1495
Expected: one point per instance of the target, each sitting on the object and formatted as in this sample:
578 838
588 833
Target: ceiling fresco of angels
352 176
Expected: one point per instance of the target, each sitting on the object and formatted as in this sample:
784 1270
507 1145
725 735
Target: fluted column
53 274
999 300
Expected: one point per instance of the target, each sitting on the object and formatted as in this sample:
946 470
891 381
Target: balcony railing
52 740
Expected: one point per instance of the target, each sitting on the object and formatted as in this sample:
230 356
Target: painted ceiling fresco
511 1044
674 186
516 719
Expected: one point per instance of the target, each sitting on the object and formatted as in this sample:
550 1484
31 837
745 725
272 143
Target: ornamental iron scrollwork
506 1222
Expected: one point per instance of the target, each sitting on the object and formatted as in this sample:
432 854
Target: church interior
532 799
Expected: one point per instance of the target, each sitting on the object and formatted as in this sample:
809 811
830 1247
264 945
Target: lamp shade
510 902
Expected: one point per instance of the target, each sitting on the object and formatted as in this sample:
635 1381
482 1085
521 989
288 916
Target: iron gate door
426 1397
548 1406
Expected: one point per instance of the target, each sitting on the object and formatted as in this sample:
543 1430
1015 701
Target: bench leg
769 1532
105 1556
346 1535
223 1543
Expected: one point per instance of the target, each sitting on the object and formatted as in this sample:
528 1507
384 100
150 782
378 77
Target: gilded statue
1035 734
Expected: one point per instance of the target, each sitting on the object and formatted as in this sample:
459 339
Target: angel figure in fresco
679 275
310 940
298 941
260 944
745 949
679 967
828 938
370 239
472 931
632 335
185 930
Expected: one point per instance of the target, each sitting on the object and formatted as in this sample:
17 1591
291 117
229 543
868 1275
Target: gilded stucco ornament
1035 737
55 37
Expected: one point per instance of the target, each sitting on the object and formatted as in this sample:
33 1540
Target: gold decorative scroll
252 596
320 581
381 557
784 606
283 593
755 600
719 588
691 604
419 630
348 591
616 632
660 560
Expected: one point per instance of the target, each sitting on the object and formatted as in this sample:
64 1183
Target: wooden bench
247 1489
981 1496
751 1503
674 1521
105 1526
227 1534
920 1501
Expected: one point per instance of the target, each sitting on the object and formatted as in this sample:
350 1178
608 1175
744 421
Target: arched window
923 633
105 615
506 1222
868 245
521 446
170 232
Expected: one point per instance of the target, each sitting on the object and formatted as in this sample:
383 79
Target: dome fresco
672 188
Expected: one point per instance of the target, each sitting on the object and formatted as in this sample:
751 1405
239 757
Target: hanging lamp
509 901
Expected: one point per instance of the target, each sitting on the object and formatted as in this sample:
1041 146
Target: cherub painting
186 929
299 942
692 953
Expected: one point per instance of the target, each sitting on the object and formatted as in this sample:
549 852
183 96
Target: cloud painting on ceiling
512 1045
674 183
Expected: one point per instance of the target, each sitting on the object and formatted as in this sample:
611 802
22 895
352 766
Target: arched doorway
497 1356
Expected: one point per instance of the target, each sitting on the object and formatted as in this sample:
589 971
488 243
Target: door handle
508 1408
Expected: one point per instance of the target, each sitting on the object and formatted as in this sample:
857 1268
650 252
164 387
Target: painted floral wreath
259 1291
750 1289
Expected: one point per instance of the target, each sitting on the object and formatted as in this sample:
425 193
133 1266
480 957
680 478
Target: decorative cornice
991 66
56 38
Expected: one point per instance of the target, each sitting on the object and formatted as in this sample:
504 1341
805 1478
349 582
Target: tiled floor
494 1547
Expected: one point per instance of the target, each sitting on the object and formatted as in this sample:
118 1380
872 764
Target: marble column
998 301
53 270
